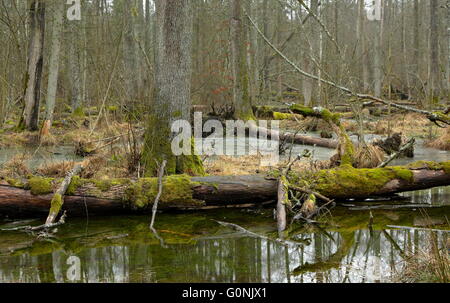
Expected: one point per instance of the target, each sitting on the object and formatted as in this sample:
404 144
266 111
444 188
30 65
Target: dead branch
158 196
432 116
397 154
58 198
252 234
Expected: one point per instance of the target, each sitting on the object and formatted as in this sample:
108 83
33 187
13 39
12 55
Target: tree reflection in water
359 256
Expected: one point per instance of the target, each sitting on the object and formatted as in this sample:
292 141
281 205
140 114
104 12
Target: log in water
122 196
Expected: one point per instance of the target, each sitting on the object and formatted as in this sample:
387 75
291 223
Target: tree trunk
119 196
309 85
53 67
416 45
241 97
378 69
434 85
74 69
172 95
448 48
265 68
30 116
363 46
130 53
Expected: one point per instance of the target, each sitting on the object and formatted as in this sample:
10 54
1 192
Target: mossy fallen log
122 196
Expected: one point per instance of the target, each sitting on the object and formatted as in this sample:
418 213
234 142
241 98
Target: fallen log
122 196
297 139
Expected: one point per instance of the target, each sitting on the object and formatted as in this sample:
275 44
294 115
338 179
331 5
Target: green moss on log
56 204
282 116
40 185
346 181
441 117
95 187
177 190
429 165
317 112
15 182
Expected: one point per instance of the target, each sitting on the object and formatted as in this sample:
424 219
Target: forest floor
113 146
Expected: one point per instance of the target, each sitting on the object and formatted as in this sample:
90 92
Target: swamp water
198 249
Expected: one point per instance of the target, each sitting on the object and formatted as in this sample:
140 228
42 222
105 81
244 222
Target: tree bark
312 39
434 71
30 116
74 68
172 93
130 53
241 95
53 67
363 46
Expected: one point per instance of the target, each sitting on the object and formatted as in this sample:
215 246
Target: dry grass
16 167
48 140
430 265
250 165
442 143
410 124
98 167
55 169
25 138
368 156
227 165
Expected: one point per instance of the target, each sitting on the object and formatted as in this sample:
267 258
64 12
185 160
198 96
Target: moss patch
317 112
40 185
56 204
95 187
347 181
177 190
429 165
15 182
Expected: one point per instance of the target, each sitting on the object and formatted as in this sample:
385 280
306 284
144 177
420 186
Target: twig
416 228
58 198
397 154
306 154
434 117
302 3
28 228
158 196
281 205
246 231
282 197
307 191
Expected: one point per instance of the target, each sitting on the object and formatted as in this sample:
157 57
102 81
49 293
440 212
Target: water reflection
358 256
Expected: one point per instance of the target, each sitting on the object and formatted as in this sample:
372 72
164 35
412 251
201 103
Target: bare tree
434 72
30 116
241 96
53 66
172 95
